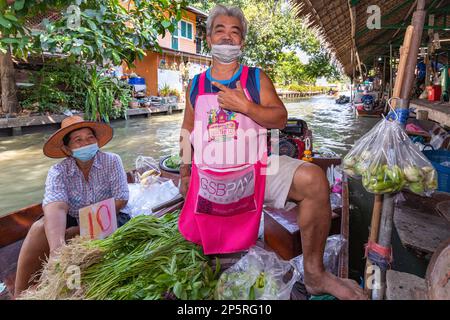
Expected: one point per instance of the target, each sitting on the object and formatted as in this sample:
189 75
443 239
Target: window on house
186 30
175 38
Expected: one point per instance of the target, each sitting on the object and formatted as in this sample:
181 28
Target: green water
23 166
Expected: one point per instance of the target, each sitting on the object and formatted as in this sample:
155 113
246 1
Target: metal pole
390 71
384 239
353 74
383 82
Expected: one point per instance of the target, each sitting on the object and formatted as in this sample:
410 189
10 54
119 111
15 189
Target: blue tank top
253 84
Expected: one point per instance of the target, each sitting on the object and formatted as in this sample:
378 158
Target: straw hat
53 146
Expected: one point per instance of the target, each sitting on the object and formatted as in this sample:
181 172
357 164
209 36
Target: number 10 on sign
99 220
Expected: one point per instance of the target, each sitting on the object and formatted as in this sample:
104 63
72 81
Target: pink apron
223 206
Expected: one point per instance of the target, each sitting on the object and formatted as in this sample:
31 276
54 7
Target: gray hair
221 10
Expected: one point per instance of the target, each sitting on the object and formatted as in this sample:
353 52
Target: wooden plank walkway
420 231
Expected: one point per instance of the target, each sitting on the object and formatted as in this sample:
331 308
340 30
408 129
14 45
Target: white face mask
226 53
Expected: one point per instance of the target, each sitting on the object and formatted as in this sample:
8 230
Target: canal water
23 167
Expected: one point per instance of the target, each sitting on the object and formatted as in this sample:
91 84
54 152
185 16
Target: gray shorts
279 181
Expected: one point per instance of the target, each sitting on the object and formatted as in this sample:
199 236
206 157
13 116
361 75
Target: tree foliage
103 32
274 36
86 30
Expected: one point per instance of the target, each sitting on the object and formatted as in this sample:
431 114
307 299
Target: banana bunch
148 177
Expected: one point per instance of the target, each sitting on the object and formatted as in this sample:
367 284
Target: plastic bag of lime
388 162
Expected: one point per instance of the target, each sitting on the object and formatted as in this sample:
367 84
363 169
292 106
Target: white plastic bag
147 170
143 198
259 275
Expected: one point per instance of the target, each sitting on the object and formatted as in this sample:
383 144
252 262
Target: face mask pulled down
85 153
226 53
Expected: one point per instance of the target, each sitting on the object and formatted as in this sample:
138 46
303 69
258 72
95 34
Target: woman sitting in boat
86 176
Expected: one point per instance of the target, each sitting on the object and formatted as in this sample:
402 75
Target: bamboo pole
404 52
376 214
373 237
418 21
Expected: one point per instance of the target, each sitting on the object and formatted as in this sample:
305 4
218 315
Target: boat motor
292 139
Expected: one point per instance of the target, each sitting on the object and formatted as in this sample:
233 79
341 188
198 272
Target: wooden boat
342 100
283 238
372 114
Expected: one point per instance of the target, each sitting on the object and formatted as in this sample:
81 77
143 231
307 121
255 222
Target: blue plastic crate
437 157
136 81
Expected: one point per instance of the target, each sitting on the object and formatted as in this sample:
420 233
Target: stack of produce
147 258
388 162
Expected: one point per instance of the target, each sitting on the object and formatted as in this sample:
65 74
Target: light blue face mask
85 153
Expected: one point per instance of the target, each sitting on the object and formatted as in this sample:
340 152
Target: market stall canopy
344 22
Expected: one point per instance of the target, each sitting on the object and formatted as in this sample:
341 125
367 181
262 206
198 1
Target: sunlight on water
334 126
24 167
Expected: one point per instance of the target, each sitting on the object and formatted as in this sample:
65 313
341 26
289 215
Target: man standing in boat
228 111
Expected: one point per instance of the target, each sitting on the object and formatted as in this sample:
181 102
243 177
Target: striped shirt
66 183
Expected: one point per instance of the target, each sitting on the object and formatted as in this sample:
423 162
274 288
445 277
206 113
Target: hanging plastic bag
358 158
333 248
147 171
259 275
388 161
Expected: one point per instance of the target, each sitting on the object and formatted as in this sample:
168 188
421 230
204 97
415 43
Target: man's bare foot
327 283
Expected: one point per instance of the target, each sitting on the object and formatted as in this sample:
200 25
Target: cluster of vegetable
245 286
259 275
173 162
147 258
388 162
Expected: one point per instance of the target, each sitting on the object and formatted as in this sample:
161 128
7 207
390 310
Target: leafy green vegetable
148 258
173 162
245 286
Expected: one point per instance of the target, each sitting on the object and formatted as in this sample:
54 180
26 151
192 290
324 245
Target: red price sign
99 220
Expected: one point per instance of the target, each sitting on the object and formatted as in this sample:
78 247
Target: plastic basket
437 157
136 81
